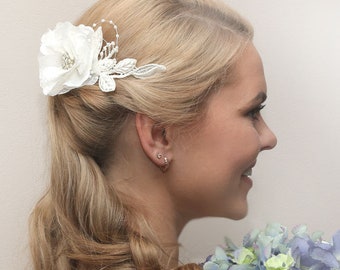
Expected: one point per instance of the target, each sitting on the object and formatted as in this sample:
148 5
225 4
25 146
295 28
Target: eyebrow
260 97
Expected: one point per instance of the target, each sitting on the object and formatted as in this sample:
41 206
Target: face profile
211 167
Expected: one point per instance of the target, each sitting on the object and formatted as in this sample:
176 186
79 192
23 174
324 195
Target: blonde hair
82 222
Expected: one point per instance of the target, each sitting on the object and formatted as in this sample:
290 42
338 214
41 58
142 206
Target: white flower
73 56
67 55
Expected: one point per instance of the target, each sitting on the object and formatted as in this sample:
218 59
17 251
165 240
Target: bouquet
272 249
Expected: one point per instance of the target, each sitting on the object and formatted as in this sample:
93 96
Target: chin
239 217
239 213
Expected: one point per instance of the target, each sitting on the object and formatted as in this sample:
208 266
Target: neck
156 206
142 185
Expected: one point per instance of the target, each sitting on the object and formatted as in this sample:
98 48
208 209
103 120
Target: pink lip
247 180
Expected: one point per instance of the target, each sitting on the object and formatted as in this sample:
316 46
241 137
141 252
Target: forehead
248 86
247 89
248 77
249 67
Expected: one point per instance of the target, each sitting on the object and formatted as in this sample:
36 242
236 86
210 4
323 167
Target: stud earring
166 162
165 165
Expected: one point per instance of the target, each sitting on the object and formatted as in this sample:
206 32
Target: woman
139 149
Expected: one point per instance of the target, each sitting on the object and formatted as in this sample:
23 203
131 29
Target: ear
153 139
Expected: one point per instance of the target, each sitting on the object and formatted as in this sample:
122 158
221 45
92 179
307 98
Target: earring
165 165
166 162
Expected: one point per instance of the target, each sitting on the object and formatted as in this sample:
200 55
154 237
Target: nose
267 138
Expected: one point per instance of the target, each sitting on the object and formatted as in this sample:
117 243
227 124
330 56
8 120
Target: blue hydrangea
271 249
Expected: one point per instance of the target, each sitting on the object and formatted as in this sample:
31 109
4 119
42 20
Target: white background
298 182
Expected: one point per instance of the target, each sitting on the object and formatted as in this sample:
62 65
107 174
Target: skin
206 176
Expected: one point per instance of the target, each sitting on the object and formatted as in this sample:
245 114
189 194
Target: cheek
209 185
221 152
210 192
234 148
206 170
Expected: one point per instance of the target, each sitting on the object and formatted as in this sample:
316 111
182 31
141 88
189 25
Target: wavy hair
82 222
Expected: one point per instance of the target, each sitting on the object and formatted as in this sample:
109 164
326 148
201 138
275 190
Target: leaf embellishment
110 70
106 66
126 66
147 70
106 83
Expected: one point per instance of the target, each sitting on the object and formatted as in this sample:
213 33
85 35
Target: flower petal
325 257
220 254
66 57
336 245
210 266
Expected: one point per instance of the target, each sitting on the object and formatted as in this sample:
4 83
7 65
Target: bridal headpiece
74 56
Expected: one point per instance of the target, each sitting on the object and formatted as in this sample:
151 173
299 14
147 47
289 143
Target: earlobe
153 140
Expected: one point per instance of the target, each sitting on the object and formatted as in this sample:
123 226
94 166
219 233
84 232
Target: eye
254 113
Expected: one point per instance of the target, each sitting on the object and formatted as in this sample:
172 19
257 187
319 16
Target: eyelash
254 113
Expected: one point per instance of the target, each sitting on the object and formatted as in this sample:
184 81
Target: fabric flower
74 56
67 55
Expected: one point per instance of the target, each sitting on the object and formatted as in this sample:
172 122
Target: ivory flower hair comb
74 56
